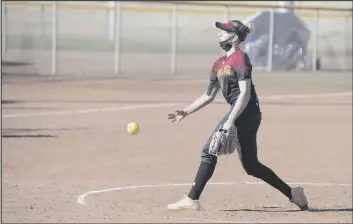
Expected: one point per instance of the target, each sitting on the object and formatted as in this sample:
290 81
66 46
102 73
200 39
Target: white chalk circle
81 198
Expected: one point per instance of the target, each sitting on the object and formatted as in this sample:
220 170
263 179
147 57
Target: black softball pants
247 134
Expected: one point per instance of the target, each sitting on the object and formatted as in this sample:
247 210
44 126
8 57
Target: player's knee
208 158
252 168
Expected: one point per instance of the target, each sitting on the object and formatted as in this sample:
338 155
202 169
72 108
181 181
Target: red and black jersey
227 71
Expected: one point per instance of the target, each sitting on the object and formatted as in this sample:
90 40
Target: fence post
314 57
270 41
348 44
111 19
227 18
4 27
117 36
174 39
227 13
54 37
43 22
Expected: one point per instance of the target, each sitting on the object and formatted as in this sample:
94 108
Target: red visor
236 27
225 26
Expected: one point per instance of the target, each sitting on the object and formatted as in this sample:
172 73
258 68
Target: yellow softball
133 128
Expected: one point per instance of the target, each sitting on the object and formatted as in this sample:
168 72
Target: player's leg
206 167
203 175
252 166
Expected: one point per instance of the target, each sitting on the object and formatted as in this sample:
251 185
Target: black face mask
225 45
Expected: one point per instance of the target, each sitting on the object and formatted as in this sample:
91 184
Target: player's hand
177 116
227 125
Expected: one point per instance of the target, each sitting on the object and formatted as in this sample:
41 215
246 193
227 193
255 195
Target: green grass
105 45
129 45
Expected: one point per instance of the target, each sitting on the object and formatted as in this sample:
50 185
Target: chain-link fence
129 38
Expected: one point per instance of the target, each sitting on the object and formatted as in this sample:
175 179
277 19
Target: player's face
223 35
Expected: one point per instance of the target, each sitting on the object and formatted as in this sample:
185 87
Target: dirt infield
64 138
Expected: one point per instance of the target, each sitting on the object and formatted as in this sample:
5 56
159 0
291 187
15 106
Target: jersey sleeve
213 76
243 68
212 81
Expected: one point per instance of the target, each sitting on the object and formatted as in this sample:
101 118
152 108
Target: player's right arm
206 98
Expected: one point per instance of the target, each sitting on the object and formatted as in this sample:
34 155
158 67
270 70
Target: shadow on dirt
19 130
32 108
29 136
27 132
10 101
278 209
13 63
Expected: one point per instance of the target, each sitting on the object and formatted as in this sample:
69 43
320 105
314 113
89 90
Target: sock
203 175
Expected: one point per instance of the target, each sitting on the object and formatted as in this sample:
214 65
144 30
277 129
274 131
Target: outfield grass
105 45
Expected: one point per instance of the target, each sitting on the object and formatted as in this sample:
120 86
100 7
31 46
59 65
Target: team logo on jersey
226 70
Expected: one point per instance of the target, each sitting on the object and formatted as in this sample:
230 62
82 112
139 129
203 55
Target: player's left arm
244 79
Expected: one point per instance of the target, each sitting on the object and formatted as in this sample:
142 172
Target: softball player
232 74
